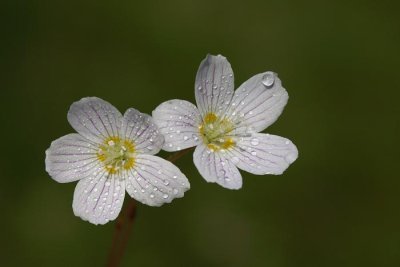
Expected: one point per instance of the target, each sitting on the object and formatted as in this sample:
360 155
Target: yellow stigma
116 154
215 132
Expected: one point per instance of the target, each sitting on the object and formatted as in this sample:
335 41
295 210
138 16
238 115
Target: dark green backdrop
337 205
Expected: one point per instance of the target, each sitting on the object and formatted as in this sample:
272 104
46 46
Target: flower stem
123 225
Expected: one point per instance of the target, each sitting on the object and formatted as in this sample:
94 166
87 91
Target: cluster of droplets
251 148
163 185
179 126
223 174
140 126
98 119
104 197
220 94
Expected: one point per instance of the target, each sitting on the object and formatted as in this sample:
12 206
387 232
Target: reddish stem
123 225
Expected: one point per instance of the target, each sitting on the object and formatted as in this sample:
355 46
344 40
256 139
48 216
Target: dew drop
254 141
268 79
290 158
165 196
235 160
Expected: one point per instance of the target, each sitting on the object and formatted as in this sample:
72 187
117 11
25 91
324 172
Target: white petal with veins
141 129
214 85
216 168
70 158
98 199
263 154
255 106
178 121
94 118
156 181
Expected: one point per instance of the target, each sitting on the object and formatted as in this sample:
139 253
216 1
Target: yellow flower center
215 132
116 154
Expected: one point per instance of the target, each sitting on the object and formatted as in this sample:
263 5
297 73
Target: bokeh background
337 205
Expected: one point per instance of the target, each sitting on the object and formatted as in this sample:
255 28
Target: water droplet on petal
165 196
291 157
268 79
235 160
254 141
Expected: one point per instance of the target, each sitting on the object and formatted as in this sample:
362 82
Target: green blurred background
337 205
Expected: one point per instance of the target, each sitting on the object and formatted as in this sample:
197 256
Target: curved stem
123 225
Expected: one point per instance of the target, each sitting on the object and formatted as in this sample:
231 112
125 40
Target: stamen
215 132
117 155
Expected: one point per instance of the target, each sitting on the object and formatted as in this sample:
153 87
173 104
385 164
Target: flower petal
141 128
215 168
156 181
94 119
263 154
255 105
214 85
70 158
178 121
98 199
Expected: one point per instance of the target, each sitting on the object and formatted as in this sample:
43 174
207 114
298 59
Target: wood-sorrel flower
225 125
112 153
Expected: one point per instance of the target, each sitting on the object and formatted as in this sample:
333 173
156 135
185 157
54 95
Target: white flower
112 153
225 125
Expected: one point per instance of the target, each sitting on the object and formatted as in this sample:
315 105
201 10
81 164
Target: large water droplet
268 79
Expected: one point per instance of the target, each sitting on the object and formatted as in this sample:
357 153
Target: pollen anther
116 154
216 132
